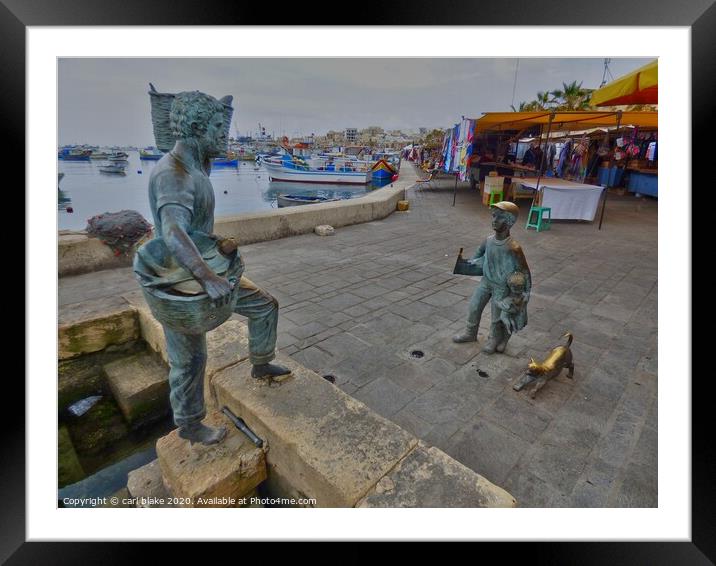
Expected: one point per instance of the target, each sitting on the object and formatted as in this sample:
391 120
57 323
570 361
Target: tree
434 139
572 97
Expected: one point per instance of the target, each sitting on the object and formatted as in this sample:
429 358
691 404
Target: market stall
576 159
638 87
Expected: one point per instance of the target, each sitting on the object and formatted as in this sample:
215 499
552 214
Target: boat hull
289 200
279 173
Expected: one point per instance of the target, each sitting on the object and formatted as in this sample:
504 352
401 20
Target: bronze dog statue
559 358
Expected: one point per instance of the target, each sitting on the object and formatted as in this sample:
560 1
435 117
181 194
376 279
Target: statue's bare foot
466 336
203 434
268 370
501 346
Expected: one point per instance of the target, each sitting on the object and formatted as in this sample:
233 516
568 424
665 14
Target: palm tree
572 96
543 100
524 107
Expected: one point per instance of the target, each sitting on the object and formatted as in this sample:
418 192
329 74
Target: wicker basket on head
161 103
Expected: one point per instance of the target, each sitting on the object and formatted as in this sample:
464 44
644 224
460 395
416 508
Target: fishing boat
99 155
150 154
382 171
228 160
317 170
113 168
119 158
297 200
74 154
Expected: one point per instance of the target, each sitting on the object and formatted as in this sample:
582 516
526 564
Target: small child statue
513 304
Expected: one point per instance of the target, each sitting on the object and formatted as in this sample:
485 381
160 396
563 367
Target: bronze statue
506 282
540 372
191 278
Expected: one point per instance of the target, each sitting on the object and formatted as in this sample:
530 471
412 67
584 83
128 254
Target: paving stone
488 449
427 477
515 414
531 491
384 396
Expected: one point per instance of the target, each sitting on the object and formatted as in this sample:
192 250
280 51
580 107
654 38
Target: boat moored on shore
317 170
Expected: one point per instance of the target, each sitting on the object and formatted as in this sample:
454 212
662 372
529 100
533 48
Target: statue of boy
501 257
181 198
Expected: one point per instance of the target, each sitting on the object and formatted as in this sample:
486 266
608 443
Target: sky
104 101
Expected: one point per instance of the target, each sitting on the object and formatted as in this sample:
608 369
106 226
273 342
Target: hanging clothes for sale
465 145
564 157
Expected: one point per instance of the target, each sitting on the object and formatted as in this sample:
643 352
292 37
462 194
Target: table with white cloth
567 199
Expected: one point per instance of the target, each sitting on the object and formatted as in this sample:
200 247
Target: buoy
226 192
70 209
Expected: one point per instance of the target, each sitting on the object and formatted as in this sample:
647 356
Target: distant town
373 137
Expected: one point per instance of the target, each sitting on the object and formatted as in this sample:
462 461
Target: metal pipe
241 425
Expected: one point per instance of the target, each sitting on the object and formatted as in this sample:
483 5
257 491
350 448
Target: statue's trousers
187 352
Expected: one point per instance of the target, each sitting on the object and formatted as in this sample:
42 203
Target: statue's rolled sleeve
171 194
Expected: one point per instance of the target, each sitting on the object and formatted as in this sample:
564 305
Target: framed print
598 460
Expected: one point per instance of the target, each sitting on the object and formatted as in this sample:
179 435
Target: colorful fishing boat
150 154
382 171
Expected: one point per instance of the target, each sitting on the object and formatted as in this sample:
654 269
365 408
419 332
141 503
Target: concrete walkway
357 304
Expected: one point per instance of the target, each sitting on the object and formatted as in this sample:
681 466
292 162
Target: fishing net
119 230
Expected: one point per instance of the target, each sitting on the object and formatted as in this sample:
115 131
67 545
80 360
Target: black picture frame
699 15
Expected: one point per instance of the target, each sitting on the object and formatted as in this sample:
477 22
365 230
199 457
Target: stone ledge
322 443
93 325
80 253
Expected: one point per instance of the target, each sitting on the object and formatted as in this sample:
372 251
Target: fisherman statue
506 282
191 278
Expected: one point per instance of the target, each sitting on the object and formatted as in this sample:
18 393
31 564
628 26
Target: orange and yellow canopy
567 120
638 87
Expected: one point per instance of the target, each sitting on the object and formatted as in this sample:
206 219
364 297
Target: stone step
146 487
91 326
140 387
219 475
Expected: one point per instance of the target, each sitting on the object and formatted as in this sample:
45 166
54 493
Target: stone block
140 387
322 442
325 230
428 477
93 325
211 476
145 485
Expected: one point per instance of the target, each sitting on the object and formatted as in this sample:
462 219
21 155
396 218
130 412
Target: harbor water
87 191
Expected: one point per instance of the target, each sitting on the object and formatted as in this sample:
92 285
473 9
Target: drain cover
329 377
417 354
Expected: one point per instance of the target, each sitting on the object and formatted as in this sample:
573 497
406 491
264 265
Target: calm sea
238 189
